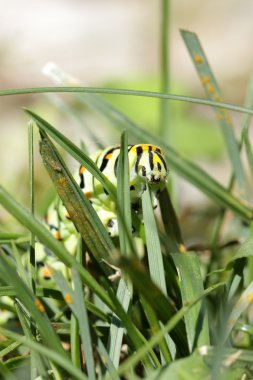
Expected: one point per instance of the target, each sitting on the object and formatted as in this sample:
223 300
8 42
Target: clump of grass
178 312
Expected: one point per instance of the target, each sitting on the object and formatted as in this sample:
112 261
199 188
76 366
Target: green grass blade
34 305
105 294
56 246
241 305
191 285
79 208
168 327
246 123
37 364
162 306
123 198
125 92
165 74
72 149
82 316
104 354
54 356
231 357
75 300
171 226
245 250
6 373
117 328
8 350
213 92
155 258
155 326
31 192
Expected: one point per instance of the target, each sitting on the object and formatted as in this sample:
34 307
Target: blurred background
117 44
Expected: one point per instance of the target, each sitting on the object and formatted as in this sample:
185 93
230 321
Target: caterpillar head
151 165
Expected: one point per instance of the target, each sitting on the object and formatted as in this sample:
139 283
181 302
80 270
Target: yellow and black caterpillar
146 164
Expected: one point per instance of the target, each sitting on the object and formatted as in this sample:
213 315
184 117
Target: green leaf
134 359
123 199
62 360
81 212
126 92
116 331
34 305
162 306
245 250
241 305
191 285
155 258
75 300
173 238
213 92
77 153
30 222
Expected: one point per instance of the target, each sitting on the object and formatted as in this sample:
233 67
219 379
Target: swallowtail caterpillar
146 163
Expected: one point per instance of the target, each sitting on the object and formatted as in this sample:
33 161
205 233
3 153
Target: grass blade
171 226
153 244
241 305
51 354
123 199
56 246
164 62
213 92
81 212
155 298
246 123
168 327
125 92
74 298
117 328
191 286
34 305
74 151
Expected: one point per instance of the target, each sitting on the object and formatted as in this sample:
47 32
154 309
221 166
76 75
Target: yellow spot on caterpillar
210 88
68 298
67 215
182 248
250 297
146 146
198 58
88 194
205 79
82 169
47 272
39 305
57 235
108 156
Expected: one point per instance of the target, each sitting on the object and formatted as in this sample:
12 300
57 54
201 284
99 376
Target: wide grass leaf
191 285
